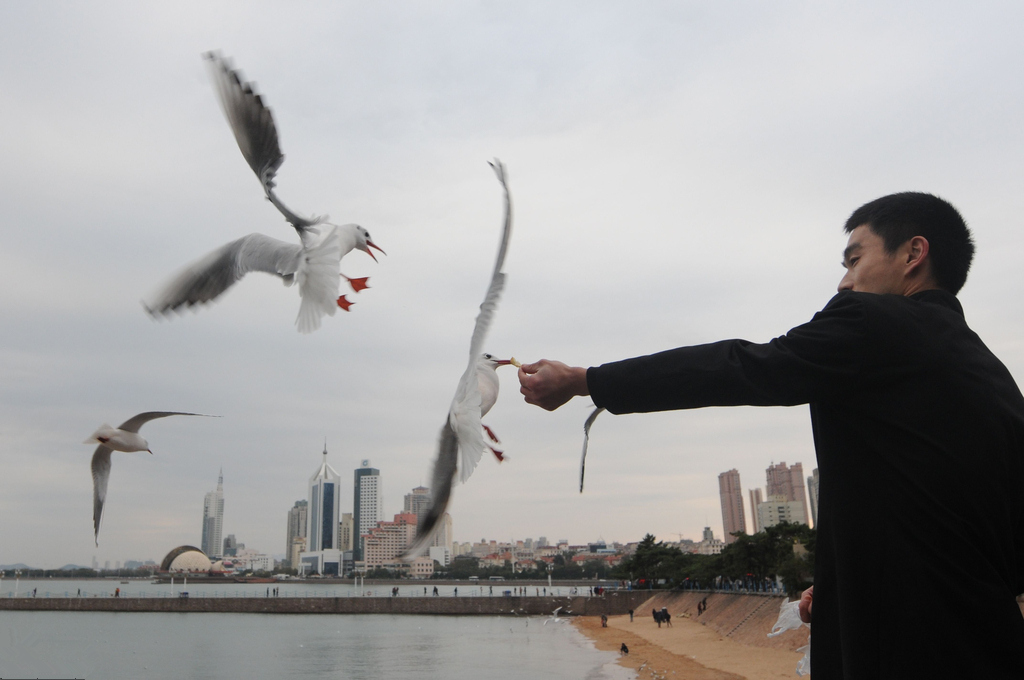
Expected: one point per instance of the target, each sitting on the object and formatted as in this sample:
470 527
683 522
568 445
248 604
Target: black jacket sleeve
820 359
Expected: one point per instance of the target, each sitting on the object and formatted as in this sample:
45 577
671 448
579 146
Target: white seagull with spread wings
125 438
461 442
314 263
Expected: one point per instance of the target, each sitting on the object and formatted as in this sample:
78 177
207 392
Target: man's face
869 269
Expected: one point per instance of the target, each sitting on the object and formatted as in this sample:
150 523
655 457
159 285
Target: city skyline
679 174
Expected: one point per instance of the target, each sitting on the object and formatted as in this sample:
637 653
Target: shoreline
728 642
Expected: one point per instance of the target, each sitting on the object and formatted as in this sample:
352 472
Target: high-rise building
345 531
297 519
731 495
322 554
443 533
386 542
324 508
788 482
417 502
779 509
230 546
213 520
812 491
755 501
367 506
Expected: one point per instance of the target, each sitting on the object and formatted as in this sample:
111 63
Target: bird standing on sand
125 438
314 263
461 442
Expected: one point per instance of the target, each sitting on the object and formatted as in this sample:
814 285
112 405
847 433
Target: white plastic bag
789 619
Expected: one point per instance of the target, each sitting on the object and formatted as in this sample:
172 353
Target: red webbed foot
344 304
497 454
358 284
490 433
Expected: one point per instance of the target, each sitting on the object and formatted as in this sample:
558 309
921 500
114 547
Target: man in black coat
919 433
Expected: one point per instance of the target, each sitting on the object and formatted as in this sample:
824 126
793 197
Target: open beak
371 244
506 362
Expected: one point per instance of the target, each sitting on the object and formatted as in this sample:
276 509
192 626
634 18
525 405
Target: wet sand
686 650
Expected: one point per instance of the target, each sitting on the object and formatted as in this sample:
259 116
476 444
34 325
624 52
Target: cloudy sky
680 173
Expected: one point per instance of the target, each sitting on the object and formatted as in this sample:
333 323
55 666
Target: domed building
186 558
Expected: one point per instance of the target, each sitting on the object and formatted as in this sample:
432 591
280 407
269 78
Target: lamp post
17 578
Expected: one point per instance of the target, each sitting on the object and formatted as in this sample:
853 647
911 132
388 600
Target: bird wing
464 414
135 422
206 279
254 129
100 476
586 440
442 477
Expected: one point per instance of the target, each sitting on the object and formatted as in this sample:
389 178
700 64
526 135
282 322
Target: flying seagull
314 263
124 438
461 442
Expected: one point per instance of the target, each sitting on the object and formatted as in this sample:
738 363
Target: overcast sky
680 173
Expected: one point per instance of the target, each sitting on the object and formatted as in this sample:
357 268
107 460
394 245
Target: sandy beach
691 650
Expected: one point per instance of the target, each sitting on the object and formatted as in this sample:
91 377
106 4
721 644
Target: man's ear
916 253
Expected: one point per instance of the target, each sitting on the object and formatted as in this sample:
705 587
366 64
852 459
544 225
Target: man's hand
805 605
549 384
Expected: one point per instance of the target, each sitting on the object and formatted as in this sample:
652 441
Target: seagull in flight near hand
461 443
314 263
125 438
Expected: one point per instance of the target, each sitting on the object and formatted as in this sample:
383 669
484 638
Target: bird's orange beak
371 244
506 362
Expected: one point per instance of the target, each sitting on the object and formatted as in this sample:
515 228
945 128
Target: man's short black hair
897 218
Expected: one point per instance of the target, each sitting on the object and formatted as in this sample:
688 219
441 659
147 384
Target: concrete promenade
611 603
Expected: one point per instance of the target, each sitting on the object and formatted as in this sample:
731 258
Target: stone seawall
610 603
744 618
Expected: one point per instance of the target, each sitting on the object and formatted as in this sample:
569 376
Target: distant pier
610 603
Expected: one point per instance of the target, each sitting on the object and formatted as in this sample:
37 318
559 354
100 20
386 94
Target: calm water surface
116 646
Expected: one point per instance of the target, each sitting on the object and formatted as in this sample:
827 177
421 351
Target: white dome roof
191 560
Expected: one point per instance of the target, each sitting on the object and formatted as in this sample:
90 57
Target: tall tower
297 519
324 508
755 500
443 535
789 483
417 502
368 506
733 519
213 520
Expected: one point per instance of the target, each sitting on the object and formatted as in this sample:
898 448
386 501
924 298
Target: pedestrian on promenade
909 410
631 616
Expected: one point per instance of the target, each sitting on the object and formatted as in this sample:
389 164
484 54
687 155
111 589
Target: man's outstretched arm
549 384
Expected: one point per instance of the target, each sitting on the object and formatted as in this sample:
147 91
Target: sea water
116 645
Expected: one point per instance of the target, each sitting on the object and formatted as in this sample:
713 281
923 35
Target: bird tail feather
319 281
94 438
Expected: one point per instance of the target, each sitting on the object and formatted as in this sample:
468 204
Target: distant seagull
124 438
586 442
461 442
314 264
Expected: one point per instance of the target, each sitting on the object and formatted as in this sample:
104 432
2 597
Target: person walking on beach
919 434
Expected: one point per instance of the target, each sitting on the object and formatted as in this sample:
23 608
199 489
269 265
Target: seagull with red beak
461 443
314 263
